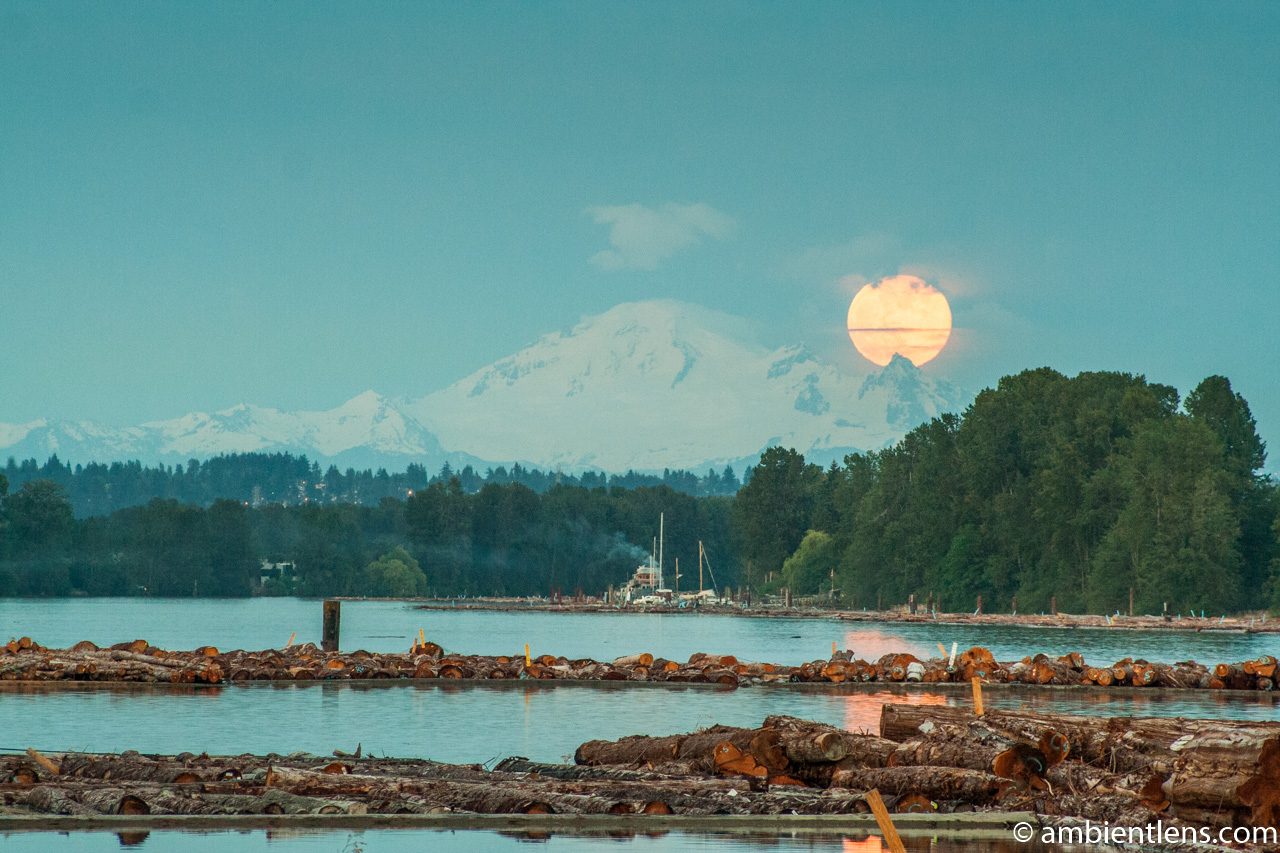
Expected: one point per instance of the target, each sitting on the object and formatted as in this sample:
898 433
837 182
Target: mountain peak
909 396
645 386
369 401
661 383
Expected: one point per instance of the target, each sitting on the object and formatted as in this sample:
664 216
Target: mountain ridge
643 386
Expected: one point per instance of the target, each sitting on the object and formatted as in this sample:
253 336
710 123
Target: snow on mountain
368 421
644 386
652 385
367 430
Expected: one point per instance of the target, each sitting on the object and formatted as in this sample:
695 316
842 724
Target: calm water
384 626
396 841
475 723
466 724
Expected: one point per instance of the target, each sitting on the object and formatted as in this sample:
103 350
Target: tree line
1074 490
262 478
1078 491
504 539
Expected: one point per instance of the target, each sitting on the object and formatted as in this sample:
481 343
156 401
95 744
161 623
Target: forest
1048 488
257 478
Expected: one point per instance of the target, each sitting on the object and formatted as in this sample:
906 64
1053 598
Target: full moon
899 315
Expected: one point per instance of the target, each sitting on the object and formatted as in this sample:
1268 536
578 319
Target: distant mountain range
644 386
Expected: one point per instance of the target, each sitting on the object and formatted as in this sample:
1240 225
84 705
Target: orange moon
899 315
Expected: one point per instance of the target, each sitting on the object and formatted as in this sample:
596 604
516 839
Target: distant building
270 571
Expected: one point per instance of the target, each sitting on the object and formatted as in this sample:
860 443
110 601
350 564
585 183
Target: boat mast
699 566
661 521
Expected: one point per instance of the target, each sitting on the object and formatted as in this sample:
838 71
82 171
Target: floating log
935 783
1218 774
138 661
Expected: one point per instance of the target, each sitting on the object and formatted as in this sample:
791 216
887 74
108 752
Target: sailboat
646 585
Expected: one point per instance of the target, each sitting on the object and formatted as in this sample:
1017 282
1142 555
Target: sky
290 203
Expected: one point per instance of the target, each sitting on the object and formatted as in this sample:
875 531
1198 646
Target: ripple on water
470 723
383 626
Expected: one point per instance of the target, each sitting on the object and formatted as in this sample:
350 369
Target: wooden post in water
887 829
979 605
1014 606
1053 605
332 622
786 592
911 604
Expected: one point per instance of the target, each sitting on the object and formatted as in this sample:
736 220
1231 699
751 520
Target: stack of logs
1130 772
1127 771
186 784
24 660
1124 769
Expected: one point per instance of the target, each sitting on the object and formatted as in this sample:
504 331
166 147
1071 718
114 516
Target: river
386 626
486 721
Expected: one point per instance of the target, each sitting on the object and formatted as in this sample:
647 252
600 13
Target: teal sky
203 204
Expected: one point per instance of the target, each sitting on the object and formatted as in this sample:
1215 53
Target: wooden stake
527 660
833 648
887 828
942 650
291 639
331 632
44 762
977 696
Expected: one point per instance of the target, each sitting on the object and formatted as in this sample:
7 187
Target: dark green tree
809 569
395 574
773 510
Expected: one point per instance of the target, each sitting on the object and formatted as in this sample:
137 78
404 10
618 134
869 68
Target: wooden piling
332 625
887 829
979 605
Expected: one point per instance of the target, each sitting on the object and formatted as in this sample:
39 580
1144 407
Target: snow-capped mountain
367 430
644 386
652 385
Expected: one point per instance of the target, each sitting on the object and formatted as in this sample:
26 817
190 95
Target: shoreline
1222 624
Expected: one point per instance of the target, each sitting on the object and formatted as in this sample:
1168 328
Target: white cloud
641 236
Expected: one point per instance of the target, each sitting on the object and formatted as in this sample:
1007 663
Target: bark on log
805 742
937 783
1228 770
127 769
1120 744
